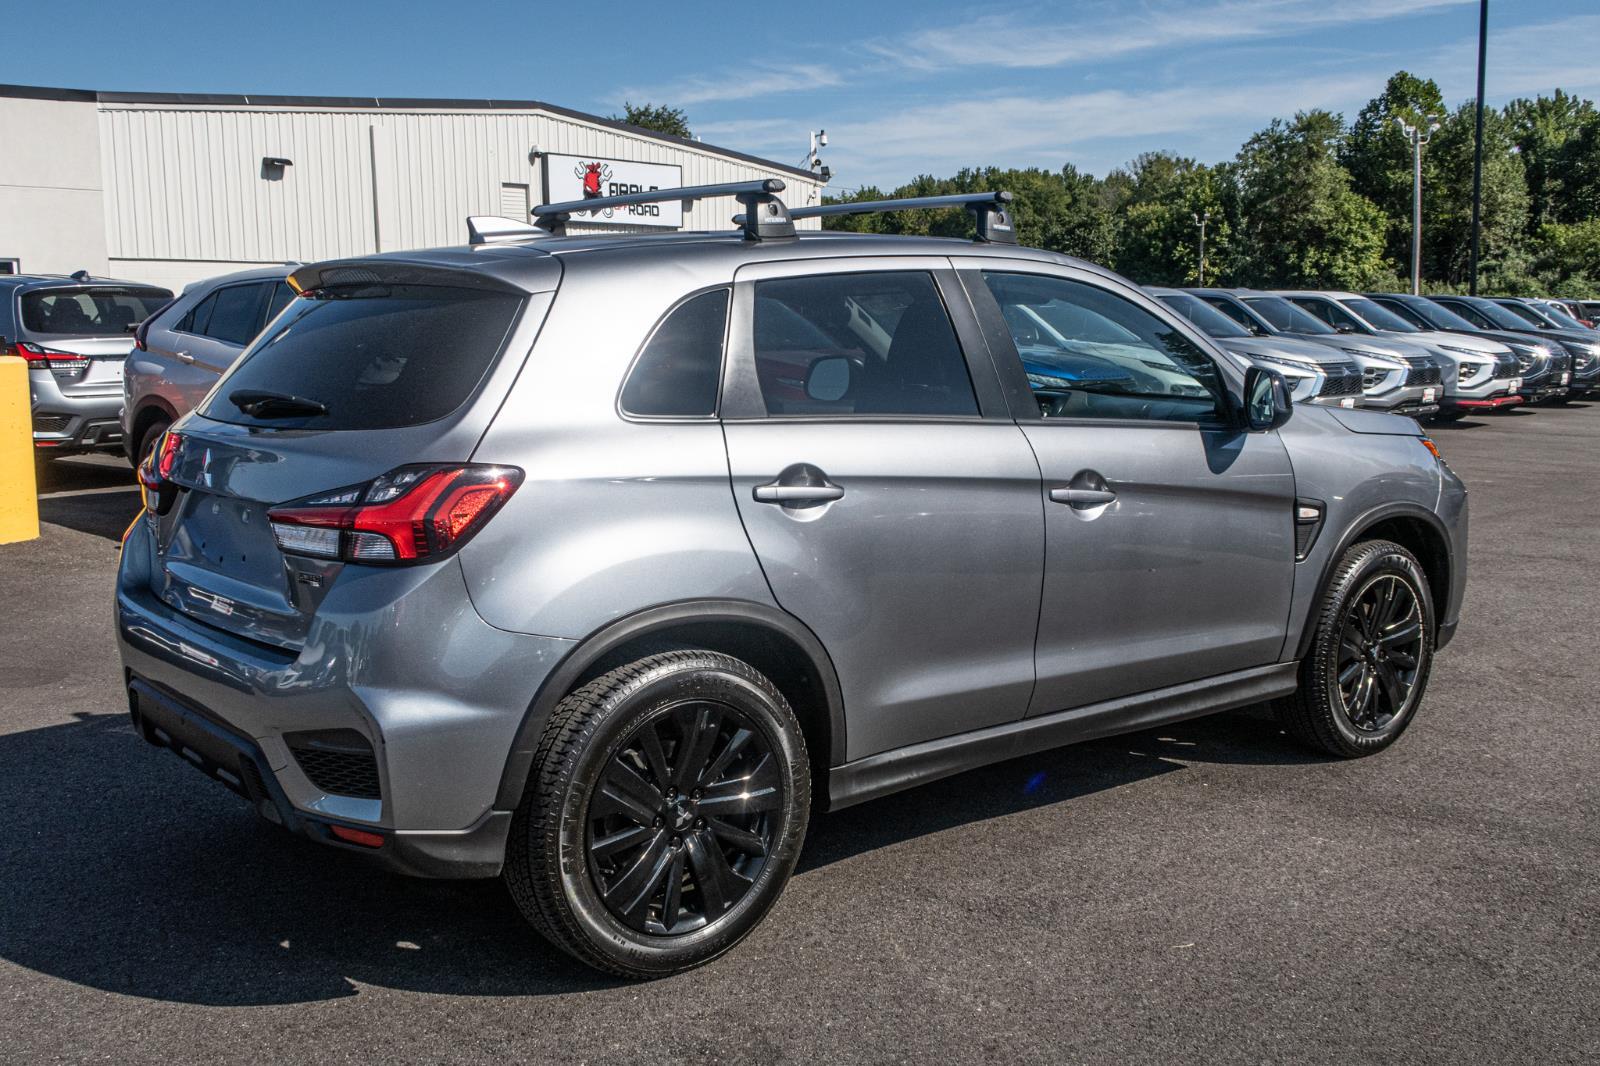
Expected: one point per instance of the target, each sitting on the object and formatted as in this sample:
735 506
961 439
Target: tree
1057 210
1542 130
1447 204
1377 153
1160 196
1569 261
1304 227
657 117
1579 167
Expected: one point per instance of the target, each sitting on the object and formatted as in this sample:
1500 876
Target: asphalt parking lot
1197 893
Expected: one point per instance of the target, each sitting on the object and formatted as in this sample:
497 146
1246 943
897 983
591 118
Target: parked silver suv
179 353
599 563
74 332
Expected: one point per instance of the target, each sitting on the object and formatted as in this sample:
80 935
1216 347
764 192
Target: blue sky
902 88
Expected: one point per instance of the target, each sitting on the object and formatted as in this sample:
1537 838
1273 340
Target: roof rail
988 208
765 215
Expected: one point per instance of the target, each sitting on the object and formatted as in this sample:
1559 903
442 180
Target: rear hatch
378 374
83 333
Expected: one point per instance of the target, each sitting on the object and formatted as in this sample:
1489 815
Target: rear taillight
155 473
39 357
411 514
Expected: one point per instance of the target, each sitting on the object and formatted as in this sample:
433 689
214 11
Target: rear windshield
106 310
375 356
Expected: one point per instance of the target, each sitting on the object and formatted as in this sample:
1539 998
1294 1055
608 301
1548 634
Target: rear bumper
401 659
64 422
240 765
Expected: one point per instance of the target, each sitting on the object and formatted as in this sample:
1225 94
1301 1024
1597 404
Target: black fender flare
591 649
1353 533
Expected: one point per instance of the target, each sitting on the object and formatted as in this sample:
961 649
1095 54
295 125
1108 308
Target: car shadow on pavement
127 871
91 494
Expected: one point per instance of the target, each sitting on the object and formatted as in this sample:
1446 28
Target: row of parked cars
115 363
1433 357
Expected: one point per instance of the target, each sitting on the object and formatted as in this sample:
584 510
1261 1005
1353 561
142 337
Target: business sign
584 177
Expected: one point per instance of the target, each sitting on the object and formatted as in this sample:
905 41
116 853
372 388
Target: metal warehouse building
171 188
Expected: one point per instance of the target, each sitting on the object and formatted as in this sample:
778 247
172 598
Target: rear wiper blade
263 404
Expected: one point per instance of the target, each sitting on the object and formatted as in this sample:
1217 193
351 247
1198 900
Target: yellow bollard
19 495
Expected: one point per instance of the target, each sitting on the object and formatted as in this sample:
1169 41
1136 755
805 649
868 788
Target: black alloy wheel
681 821
663 813
1380 650
1365 672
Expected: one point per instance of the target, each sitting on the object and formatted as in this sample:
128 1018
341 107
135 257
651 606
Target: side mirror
828 378
1267 403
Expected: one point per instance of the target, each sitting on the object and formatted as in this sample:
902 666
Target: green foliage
657 117
1305 225
1312 203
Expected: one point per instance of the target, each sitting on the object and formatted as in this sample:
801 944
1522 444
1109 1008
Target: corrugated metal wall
187 182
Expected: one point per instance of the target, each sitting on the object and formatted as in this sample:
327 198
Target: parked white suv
180 352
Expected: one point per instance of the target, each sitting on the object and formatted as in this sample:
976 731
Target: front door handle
184 357
776 493
1082 497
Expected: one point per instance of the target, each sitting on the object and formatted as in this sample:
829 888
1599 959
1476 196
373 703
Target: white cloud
1004 41
741 84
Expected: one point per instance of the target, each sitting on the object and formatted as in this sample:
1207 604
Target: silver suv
179 353
74 332
601 563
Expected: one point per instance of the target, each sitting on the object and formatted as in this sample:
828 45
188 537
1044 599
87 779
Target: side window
197 317
236 317
1230 309
281 296
1089 353
678 372
1332 314
859 344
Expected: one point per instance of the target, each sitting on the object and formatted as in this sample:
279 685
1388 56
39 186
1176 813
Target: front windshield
1286 317
1202 314
1430 315
1500 316
1527 313
1379 317
1561 318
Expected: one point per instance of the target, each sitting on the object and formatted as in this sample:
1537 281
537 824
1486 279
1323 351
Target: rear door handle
776 493
184 357
1082 497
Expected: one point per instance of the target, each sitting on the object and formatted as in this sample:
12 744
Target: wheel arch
772 641
151 410
1418 530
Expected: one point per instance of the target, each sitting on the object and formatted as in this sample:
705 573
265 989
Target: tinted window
1233 311
1473 315
1400 310
194 321
378 356
681 366
890 328
281 295
235 314
1089 353
1286 317
1526 315
102 310
1333 315
1379 317
1492 315
1213 322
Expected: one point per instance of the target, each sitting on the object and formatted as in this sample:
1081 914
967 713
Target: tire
1346 704
148 440
580 844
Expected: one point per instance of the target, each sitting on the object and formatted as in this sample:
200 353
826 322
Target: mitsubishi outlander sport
602 563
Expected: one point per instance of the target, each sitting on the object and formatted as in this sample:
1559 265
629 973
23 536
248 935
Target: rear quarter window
376 356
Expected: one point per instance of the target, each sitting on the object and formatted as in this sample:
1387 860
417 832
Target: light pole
1419 137
813 163
1200 220
1477 146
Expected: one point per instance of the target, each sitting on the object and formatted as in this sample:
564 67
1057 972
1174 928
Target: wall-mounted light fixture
272 167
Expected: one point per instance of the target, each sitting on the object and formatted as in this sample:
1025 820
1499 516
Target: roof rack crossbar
989 208
766 214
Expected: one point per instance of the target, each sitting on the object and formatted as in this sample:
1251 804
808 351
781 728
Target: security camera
822 139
